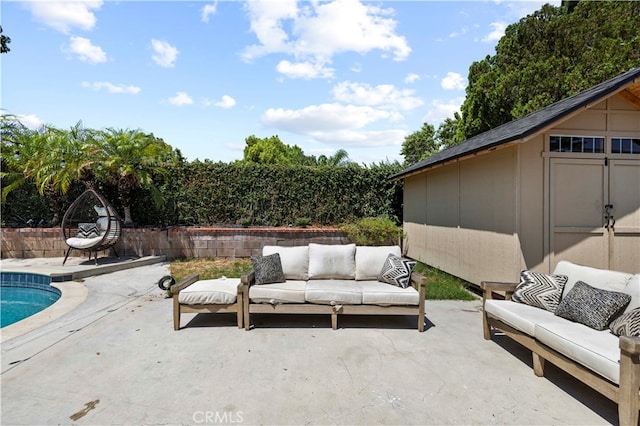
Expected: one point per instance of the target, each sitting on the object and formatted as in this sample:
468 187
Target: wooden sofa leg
176 313
334 321
486 328
628 404
246 317
538 365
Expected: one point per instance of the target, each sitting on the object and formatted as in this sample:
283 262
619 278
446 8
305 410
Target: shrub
374 231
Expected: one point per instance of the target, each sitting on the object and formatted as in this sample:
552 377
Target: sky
205 75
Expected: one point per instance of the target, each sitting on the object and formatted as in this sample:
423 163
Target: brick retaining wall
175 242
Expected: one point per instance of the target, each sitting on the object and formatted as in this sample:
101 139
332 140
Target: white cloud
226 102
65 15
86 51
306 70
318 31
209 9
411 78
442 109
384 95
165 54
459 33
497 33
180 99
111 88
453 81
324 118
30 121
361 138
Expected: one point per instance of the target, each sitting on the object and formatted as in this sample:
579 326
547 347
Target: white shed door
595 214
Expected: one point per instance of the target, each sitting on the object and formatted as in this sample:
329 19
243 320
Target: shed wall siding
464 223
487 217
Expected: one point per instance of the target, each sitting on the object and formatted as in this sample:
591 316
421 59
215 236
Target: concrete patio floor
114 358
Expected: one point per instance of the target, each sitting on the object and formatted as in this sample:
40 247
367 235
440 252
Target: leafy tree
547 56
4 41
271 151
446 135
420 144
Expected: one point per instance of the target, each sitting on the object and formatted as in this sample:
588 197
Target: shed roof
527 125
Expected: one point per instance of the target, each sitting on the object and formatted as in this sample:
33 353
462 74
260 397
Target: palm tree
132 159
340 158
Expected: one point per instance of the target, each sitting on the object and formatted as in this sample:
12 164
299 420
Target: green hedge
232 193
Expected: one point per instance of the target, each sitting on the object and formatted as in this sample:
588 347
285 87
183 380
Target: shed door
594 217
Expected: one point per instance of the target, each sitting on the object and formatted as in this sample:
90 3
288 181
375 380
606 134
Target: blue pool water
23 294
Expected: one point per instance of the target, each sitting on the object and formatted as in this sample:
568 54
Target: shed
562 183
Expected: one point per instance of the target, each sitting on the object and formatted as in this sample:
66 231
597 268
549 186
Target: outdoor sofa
334 280
584 320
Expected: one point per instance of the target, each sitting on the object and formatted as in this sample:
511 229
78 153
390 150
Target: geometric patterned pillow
397 271
268 269
591 306
626 324
87 230
540 290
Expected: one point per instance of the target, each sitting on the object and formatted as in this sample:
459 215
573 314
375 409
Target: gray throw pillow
268 269
540 290
591 306
627 324
397 271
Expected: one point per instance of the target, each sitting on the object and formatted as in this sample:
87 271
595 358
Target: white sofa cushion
210 292
290 291
329 292
369 260
332 261
518 315
377 293
295 260
83 243
596 350
600 278
633 289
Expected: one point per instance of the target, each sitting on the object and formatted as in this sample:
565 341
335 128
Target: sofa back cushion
332 261
599 278
295 260
633 290
369 260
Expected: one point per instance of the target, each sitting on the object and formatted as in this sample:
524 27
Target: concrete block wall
174 242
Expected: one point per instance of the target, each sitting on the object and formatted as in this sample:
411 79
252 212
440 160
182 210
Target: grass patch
209 269
443 286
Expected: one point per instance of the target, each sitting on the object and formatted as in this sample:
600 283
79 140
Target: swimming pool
24 294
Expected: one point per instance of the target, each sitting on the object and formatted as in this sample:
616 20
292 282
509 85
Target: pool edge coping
73 294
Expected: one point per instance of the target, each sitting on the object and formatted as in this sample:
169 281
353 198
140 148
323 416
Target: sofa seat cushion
518 315
337 261
369 260
83 243
596 350
382 294
329 292
210 292
599 278
290 291
294 260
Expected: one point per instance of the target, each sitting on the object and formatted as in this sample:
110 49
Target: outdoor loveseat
584 320
334 280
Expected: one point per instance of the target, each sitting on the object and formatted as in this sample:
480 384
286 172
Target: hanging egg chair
90 224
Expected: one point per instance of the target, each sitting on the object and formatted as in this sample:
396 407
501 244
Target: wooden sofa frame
418 281
179 308
626 395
